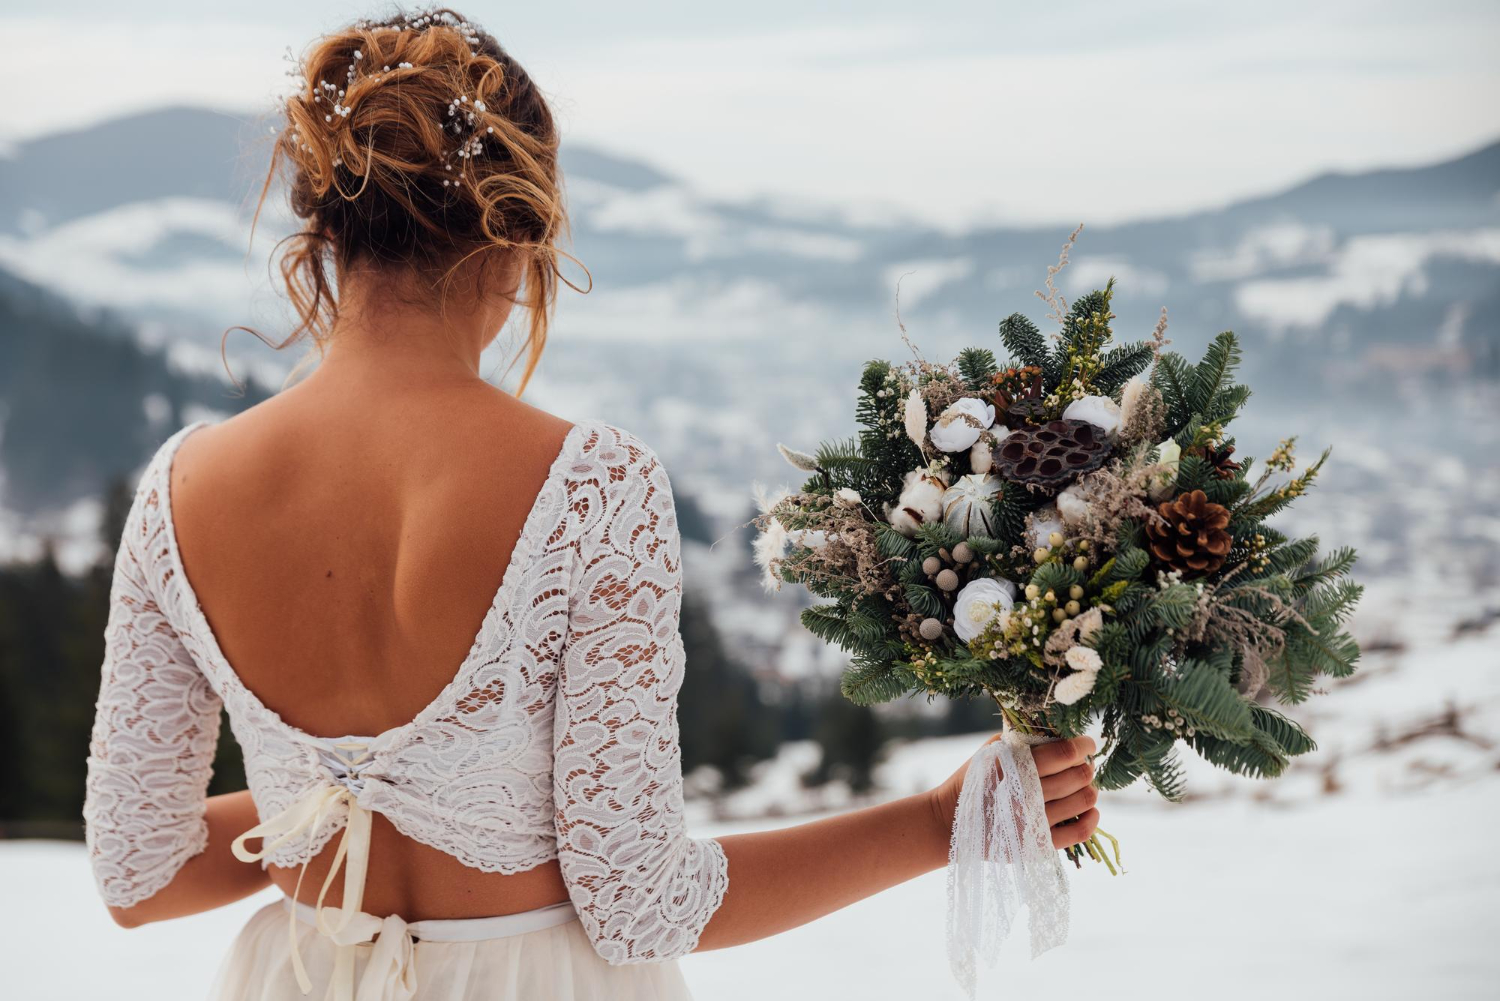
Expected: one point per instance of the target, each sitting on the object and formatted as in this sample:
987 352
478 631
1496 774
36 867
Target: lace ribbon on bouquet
1001 858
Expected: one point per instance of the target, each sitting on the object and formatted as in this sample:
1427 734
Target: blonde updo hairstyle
417 143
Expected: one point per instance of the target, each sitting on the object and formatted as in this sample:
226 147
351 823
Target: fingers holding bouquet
1067 774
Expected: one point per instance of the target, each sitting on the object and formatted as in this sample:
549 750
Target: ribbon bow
351 926
390 974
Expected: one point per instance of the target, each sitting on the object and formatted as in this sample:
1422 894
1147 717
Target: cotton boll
1044 521
921 501
1099 411
959 427
1071 506
1074 687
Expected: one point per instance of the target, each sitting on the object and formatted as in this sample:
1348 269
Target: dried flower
1074 687
1083 658
916 420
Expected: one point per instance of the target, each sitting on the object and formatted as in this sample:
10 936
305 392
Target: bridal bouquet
1071 534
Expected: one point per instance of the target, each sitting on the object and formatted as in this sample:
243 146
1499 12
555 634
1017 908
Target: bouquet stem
1093 847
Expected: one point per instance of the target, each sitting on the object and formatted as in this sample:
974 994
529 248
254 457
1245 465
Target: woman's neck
385 336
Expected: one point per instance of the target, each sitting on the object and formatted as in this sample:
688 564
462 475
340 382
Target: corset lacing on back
557 737
344 761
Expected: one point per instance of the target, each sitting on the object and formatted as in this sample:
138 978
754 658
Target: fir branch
1024 341
976 365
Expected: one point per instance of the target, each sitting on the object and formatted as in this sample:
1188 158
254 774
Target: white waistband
469 929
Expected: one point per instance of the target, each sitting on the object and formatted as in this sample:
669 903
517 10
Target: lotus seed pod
1055 539
1073 608
1075 592
1081 563
947 581
1041 554
931 565
963 553
930 629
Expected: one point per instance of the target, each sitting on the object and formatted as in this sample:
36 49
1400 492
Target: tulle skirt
540 955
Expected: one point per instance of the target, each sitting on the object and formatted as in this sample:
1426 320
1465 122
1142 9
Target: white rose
1044 521
1164 477
958 427
1099 411
921 501
1074 687
1071 506
1083 658
847 497
979 603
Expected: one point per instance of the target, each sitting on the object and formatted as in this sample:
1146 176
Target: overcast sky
952 112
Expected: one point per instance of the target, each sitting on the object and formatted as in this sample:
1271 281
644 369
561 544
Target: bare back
345 545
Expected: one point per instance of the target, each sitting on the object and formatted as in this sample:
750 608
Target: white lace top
557 737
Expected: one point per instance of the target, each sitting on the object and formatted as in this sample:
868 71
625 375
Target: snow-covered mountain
1367 301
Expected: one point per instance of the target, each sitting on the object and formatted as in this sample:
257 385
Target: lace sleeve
643 889
155 727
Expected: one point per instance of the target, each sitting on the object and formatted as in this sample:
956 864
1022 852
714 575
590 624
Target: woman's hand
1065 771
781 879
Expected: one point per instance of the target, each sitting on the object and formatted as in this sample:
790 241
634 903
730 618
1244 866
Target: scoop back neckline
520 553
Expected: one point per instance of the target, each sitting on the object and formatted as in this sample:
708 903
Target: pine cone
1053 454
1193 537
1223 466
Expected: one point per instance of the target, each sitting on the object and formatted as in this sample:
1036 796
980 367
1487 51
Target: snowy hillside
1319 881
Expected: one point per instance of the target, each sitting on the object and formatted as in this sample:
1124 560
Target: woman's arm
210 879
781 879
644 890
158 845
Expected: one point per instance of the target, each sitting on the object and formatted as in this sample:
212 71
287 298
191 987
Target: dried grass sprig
1053 297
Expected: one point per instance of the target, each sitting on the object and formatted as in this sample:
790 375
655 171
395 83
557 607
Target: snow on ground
1367 872
1370 897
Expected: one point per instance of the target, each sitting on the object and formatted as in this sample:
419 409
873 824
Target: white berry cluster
1173 724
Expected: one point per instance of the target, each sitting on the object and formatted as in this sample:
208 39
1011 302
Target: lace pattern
638 885
1001 859
557 737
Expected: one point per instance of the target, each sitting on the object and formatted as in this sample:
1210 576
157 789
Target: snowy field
1367 872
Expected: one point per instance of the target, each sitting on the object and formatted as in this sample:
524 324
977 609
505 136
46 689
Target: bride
444 623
